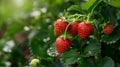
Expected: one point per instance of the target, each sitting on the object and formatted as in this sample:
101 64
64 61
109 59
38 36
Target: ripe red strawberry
84 30
72 30
60 26
108 29
62 44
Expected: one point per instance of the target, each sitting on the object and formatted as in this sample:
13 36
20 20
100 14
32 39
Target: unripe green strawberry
84 30
73 28
62 44
60 26
34 62
108 29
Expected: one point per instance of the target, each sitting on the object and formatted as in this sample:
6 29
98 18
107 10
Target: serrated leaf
93 48
90 4
112 38
115 3
86 62
106 62
70 57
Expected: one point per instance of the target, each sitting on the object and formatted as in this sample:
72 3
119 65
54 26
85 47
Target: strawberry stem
88 17
65 34
72 18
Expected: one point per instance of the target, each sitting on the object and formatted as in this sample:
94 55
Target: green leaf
109 14
106 62
70 57
57 64
38 47
51 34
115 3
91 4
93 48
78 43
112 38
76 8
88 4
86 62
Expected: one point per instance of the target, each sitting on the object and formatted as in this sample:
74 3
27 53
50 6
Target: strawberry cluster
82 29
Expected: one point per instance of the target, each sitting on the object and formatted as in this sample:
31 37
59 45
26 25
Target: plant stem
88 17
65 34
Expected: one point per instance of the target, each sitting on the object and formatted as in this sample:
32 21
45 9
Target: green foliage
112 38
75 8
70 57
92 49
30 26
106 62
91 4
115 3
40 45
86 62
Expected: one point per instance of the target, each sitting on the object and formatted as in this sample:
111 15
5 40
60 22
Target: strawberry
72 30
84 30
62 44
60 26
108 29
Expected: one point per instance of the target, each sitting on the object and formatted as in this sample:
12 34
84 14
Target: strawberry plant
86 36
